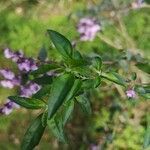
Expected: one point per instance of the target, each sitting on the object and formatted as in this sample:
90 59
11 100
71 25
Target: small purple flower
16 80
7 84
7 74
8 53
17 55
29 89
131 93
88 28
13 55
94 147
8 107
137 4
26 65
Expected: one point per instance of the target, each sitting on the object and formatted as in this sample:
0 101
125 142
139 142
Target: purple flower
7 74
26 64
94 147
16 81
8 107
29 89
8 53
88 29
131 93
10 79
7 84
17 55
137 4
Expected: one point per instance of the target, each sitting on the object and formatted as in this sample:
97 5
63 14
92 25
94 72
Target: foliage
92 77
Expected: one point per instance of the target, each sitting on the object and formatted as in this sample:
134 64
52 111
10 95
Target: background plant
111 99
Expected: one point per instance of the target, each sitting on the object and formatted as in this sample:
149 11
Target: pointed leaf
60 88
30 103
33 134
56 126
67 110
97 63
85 104
57 123
115 77
61 43
74 90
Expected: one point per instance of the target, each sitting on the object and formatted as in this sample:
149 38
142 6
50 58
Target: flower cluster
131 93
24 64
10 80
137 4
29 89
88 28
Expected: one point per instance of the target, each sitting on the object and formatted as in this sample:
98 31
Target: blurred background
116 123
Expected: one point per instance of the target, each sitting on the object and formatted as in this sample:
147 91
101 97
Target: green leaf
91 83
57 128
74 90
67 110
44 119
85 104
77 55
97 81
30 103
144 67
61 43
45 79
147 138
42 54
44 69
146 143
143 91
97 63
133 76
57 123
114 77
33 134
44 91
60 88
77 60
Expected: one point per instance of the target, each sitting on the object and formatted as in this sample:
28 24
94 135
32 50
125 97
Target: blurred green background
116 123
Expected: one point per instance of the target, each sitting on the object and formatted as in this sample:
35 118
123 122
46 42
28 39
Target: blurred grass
23 26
